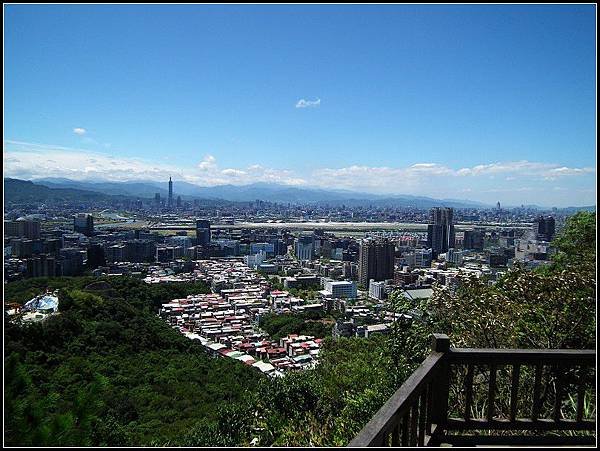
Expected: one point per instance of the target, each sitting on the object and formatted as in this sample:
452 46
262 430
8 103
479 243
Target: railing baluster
409 417
559 389
429 405
414 413
491 392
514 391
422 415
469 391
405 420
580 394
535 411
396 435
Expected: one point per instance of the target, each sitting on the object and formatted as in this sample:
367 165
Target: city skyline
485 103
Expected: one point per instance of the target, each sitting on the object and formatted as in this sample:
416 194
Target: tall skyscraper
543 228
170 204
440 234
157 200
202 232
375 261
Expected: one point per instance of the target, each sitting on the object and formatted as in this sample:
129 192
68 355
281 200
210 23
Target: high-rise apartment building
138 250
42 265
71 261
83 223
375 261
474 239
22 228
202 232
305 247
440 233
544 228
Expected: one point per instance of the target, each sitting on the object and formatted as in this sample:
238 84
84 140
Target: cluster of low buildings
226 321
226 325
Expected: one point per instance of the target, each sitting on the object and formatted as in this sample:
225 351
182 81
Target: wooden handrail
399 403
417 413
516 356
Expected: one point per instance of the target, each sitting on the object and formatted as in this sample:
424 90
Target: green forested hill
16 190
108 371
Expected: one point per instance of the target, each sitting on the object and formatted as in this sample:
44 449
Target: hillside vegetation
107 371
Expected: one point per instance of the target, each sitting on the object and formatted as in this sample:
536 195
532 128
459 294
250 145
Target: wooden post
441 384
440 343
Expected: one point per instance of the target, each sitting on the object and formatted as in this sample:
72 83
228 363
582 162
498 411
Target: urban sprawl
262 258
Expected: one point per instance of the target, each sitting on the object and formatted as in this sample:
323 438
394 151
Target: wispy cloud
79 131
524 167
308 103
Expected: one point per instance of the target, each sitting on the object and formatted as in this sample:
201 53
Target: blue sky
480 102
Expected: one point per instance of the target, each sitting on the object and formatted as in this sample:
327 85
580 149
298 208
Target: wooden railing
418 413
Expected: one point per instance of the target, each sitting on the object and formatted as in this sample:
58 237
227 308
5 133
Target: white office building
341 289
377 290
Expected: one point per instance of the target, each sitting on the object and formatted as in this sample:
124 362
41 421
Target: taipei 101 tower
170 204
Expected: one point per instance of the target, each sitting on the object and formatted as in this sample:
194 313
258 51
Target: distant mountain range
256 191
16 190
65 189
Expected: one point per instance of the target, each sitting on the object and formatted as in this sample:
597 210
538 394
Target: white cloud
234 172
207 163
34 161
436 180
79 131
524 168
308 103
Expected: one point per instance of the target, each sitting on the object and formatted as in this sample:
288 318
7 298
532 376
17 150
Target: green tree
576 244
